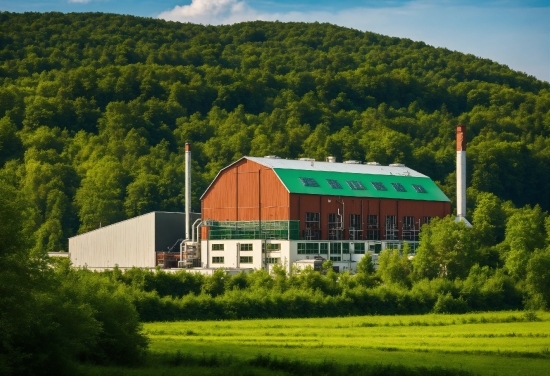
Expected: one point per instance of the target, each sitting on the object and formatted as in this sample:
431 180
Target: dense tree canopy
95 110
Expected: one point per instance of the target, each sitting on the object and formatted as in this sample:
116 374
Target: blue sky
511 32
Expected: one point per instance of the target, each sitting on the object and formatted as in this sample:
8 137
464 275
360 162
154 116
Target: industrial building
146 241
263 211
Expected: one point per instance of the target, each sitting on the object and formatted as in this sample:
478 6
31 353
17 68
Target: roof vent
272 156
373 164
307 159
352 162
397 165
331 159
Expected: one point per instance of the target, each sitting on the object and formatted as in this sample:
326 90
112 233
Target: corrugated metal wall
236 195
237 192
302 204
128 243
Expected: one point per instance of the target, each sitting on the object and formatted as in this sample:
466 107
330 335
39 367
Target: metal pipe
193 230
187 189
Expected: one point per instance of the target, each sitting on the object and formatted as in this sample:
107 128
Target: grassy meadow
494 343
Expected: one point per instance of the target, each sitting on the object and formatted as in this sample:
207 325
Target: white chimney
331 159
187 190
461 175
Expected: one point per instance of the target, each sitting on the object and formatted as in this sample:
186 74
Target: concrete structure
262 211
133 242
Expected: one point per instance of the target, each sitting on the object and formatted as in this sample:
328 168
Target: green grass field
494 343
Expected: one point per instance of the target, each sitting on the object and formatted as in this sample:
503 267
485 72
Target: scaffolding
277 230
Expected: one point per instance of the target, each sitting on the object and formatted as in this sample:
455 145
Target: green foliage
97 107
394 267
53 316
525 232
446 250
538 278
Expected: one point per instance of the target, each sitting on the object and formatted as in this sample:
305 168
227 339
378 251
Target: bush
447 304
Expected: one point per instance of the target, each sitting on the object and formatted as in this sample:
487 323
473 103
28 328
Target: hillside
95 110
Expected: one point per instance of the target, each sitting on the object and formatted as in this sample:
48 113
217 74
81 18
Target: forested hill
95 109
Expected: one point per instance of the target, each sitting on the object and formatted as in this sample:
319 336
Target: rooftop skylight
334 184
356 185
379 186
398 187
419 188
309 182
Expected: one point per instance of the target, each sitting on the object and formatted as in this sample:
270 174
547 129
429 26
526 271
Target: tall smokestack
187 190
461 174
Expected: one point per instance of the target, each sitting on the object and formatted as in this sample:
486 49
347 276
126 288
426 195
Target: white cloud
516 36
211 12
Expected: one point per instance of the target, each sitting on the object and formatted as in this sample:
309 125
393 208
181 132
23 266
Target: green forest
95 110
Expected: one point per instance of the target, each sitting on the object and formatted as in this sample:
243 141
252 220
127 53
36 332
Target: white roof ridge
309 165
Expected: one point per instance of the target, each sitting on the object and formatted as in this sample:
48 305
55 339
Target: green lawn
494 343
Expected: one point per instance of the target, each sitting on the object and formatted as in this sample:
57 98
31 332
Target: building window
336 248
312 223
217 260
356 185
419 188
345 247
398 187
334 184
245 259
323 248
309 182
391 227
246 247
355 227
408 223
376 248
379 186
273 260
409 231
335 258
427 219
217 247
334 227
373 232
359 248
271 247
372 221
308 248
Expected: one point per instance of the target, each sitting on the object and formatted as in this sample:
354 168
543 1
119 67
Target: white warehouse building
143 242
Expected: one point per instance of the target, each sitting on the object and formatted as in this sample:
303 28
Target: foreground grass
503 343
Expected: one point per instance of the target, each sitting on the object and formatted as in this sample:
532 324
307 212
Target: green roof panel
292 179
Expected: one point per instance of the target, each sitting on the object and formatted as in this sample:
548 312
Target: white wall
133 242
126 244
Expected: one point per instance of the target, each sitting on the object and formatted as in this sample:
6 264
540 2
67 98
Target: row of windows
356 185
242 247
242 259
271 247
313 220
273 260
217 260
323 248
